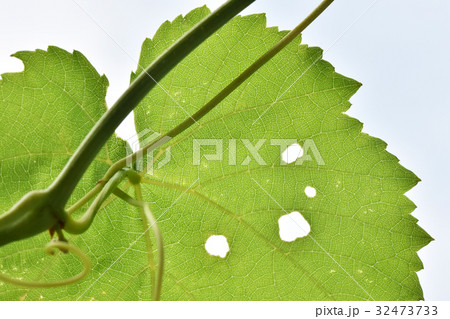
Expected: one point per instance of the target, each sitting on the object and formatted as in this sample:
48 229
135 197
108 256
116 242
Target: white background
398 49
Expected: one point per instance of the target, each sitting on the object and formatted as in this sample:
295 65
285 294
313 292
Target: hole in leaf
310 191
291 154
217 245
293 226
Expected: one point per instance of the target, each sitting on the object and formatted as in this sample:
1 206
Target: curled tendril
50 249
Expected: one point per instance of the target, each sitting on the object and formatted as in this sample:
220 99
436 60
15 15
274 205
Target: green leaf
363 240
46 111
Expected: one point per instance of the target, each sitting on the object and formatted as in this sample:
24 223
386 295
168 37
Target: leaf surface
46 111
363 240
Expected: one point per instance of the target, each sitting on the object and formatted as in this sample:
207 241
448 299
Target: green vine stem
157 232
104 128
208 106
40 210
82 224
224 92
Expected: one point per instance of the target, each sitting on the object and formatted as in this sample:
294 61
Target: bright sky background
398 49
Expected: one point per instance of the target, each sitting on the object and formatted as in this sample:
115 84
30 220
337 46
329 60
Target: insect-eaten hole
310 191
293 226
291 154
217 245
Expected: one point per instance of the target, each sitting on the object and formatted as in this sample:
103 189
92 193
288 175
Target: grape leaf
363 240
46 111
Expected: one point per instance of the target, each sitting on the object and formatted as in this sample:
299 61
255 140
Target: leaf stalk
155 72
